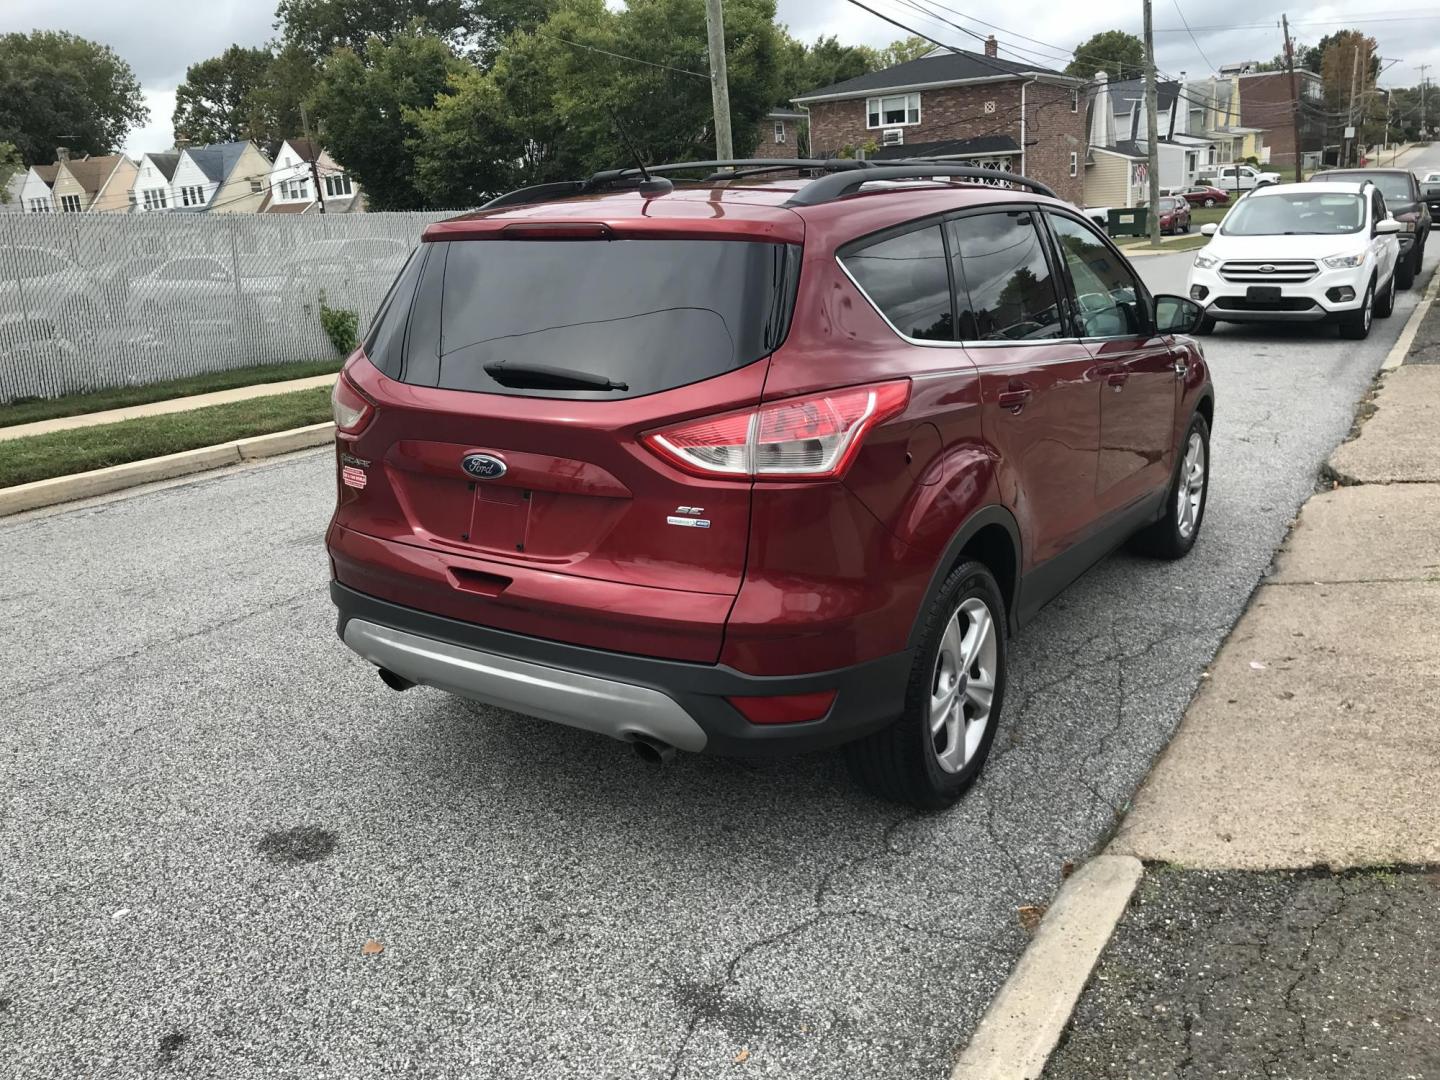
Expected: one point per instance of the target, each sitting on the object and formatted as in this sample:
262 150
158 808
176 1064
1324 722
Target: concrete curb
61 489
1025 1021
1396 356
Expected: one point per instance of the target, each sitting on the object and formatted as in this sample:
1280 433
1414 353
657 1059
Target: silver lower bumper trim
619 710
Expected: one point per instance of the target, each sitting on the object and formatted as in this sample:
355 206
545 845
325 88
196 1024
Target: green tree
825 63
470 27
10 164
289 81
464 146
1119 54
904 50
219 99
370 106
59 89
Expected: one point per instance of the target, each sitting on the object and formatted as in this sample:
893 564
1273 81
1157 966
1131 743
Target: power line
620 56
1193 39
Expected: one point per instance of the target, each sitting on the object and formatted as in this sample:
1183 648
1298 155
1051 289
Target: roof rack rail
838 184
715 170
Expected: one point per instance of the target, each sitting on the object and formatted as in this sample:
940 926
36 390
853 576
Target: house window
70 204
295 189
1074 104
192 196
779 131
255 187
1074 163
897 110
338 186
155 198
40 206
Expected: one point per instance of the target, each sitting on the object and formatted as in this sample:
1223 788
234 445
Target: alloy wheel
1192 486
963 686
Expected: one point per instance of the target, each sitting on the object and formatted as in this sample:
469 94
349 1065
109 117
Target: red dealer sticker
352 476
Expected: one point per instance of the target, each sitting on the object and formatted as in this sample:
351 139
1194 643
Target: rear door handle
1117 379
1015 397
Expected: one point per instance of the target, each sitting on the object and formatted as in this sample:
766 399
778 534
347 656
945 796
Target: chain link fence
91 301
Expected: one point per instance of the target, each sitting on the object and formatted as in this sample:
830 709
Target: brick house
782 135
963 107
1266 103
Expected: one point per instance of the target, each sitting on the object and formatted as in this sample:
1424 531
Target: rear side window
906 277
1001 267
648 314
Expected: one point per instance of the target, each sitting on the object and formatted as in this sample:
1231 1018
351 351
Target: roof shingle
954 66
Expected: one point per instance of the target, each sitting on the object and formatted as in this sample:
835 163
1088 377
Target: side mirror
1209 230
1388 227
1177 315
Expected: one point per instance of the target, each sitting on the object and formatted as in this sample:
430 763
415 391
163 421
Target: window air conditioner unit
892 137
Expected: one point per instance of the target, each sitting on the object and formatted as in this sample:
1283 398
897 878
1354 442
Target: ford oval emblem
1268 268
484 466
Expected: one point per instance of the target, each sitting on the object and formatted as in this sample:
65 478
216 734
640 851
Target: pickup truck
1238 178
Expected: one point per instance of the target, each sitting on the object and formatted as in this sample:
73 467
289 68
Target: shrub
341 327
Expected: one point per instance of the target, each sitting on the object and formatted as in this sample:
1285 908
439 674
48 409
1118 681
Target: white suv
1300 253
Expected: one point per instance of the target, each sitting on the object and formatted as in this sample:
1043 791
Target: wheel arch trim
992 514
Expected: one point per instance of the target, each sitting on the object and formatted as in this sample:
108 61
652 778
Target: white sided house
298 165
153 190
36 192
224 177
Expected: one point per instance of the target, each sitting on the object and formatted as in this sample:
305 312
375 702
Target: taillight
351 410
814 437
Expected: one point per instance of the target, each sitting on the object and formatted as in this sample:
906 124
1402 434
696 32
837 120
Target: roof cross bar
838 184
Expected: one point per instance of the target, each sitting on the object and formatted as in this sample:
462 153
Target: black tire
902 762
1385 303
1405 271
1356 327
1206 326
1169 537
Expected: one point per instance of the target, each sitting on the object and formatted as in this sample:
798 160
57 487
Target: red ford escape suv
746 464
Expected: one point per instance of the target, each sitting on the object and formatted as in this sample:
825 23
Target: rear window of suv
649 314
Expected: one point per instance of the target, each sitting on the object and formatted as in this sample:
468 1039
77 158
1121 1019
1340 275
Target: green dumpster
1133 221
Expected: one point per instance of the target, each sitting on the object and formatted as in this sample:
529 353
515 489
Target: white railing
89 301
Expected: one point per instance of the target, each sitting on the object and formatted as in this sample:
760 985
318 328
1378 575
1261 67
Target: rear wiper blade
542 377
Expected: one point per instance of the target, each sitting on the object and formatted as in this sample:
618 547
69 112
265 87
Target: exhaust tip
395 682
653 750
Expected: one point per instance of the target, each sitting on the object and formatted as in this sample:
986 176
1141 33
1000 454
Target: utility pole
1294 91
1353 157
1422 100
719 83
314 161
1152 144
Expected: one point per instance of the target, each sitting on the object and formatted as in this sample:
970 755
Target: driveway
226 850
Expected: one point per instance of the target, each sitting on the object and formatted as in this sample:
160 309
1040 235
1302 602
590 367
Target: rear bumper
615 694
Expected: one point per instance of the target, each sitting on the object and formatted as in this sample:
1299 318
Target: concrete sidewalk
1288 922
160 408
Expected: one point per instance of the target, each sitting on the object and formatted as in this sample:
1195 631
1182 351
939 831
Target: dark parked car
1430 190
1403 200
1174 214
754 465
1206 195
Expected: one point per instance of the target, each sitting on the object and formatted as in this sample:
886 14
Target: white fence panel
90 301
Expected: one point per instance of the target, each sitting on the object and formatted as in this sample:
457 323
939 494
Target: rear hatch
512 373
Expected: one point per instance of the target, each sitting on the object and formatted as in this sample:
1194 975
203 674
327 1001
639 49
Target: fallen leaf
742 1057
1030 915
1256 665
372 948
121 913
1067 868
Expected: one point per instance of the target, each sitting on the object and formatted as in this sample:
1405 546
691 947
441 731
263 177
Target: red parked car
751 465
1206 195
1174 214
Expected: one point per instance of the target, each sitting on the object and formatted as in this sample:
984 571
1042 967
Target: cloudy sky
160 38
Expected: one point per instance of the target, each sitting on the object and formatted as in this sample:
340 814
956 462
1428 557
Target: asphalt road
208 807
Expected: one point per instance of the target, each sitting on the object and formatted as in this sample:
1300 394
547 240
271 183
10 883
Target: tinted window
1106 295
1001 266
906 278
1296 212
1396 187
652 314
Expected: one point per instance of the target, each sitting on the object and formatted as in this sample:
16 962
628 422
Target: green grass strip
39 457
34 409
